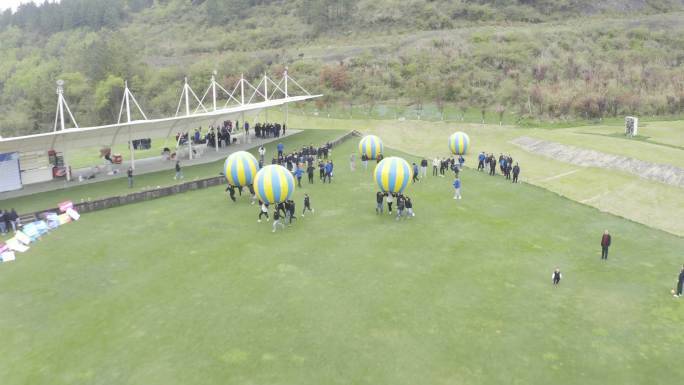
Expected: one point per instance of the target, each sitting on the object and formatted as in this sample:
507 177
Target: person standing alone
130 177
457 188
379 196
605 244
516 172
556 277
179 173
680 283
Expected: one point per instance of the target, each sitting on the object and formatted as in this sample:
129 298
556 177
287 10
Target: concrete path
144 166
663 173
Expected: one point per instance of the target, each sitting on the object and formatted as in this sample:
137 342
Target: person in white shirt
435 166
389 200
262 153
263 211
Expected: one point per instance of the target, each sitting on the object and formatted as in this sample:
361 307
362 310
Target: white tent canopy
112 134
238 102
244 99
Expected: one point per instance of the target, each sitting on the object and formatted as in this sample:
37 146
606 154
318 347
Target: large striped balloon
370 145
393 174
240 168
274 184
459 143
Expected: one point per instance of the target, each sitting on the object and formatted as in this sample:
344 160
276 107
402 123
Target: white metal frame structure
237 103
61 105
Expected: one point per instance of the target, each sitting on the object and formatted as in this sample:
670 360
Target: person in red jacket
605 244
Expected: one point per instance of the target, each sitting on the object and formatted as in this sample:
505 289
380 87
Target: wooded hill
548 60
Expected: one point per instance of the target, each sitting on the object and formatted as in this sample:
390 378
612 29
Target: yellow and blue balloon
274 184
240 168
459 143
370 145
393 174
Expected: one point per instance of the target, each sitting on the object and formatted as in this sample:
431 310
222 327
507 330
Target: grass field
190 289
654 204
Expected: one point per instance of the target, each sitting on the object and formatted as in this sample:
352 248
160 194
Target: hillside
524 59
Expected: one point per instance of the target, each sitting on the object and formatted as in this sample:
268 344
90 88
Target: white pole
213 89
130 143
286 96
285 75
242 89
186 89
187 97
128 117
56 115
61 110
128 104
266 94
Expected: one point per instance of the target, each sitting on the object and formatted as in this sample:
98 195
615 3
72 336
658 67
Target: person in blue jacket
480 162
457 188
415 172
280 147
298 173
328 172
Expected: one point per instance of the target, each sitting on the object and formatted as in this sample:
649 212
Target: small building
631 126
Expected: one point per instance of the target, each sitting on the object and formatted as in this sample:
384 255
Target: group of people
283 212
297 162
505 163
306 154
364 161
220 137
404 204
302 161
441 165
9 220
267 130
231 192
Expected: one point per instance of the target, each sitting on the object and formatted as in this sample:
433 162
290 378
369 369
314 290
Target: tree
335 78
108 95
500 109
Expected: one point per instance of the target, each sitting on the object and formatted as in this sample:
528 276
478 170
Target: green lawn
190 289
90 156
654 204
